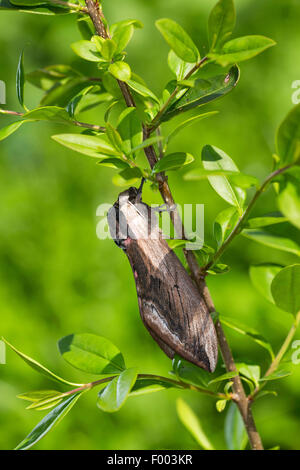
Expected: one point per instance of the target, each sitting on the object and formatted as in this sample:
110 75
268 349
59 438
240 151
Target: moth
170 305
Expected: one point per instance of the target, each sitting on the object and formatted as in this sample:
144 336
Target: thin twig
244 217
71 6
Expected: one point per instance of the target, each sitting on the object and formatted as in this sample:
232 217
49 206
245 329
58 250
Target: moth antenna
139 193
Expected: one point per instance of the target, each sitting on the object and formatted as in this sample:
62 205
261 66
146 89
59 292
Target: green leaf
215 159
114 137
188 123
178 40
228 375
122 37
38 395
250 332
146 143
114 395
173 161
188 372
115 163
91 353
90 145
178 66
221 23
262 276
86 50
120 24
61 94
127 177
28 3
48 422
252 372
108 49
234 429
10 129
142 90
273 241
224 224
38 367
204 91
240 49
244 181
288 138
37 9
120 70
144 385
48 113
20 80
192 424
285 289
221 405
279 374
289 200
257 222
130 129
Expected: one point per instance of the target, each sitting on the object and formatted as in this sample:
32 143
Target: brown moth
170 305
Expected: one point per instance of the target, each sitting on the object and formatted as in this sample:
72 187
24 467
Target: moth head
130 195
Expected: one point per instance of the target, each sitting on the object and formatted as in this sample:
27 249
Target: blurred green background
57 278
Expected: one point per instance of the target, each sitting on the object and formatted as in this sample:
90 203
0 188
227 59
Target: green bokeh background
57 278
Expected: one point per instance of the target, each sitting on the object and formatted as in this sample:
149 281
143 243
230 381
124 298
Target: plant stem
155 122
71 6
244 217
240 397
284 346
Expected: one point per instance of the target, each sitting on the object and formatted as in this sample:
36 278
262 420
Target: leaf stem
244 217
71 6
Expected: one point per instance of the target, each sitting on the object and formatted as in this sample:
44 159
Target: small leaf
48 422
279 374
224 224
122 36
20 80
130 129
188 372
178 40
108 49
173 161
257 222
143 386
221 23
86 50
288 138
289 200
215 159
250 332
146 143
114 395
38 395
178 66
285 289
188 123
115 163
252 372
228 375
204 91
192 424
240 49
244 181
235 433
91 353
10 129
120 70
221 405
127 177
273 241
90 145
142 90
114 137
262 276
38 367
